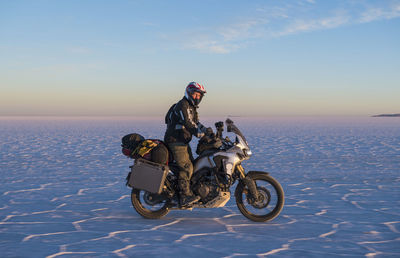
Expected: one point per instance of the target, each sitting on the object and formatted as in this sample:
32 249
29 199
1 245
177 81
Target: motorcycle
259 197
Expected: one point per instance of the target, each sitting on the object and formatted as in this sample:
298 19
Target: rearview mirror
229 124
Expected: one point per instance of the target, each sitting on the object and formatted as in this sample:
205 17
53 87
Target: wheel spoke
267 205
147 205
146 201
260 207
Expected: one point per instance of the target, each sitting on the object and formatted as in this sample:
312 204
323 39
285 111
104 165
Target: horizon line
5 117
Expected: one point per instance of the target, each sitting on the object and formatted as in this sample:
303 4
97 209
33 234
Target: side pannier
147 175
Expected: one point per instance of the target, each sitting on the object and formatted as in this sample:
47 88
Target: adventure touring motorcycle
259 196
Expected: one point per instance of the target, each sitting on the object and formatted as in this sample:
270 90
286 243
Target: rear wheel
150 206
269 202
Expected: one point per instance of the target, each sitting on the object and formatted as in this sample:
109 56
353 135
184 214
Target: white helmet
192 87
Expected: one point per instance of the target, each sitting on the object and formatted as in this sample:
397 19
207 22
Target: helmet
194 87
131 141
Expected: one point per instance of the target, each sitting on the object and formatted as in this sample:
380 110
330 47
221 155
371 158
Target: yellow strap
145 147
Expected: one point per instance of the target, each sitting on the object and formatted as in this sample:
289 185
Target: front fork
249 182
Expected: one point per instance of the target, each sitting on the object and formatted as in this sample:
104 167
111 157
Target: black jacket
182 123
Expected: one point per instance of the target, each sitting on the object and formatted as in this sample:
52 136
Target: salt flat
63 192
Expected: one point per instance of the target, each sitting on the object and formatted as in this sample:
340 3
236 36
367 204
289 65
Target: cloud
299 26
228 38
380 13
279 21
240 30
150 24
211 46
225 39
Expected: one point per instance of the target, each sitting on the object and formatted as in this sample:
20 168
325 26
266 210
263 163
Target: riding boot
186 197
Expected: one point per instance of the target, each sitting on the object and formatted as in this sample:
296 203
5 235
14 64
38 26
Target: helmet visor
198 100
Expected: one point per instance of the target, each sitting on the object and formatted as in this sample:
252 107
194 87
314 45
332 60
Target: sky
255 58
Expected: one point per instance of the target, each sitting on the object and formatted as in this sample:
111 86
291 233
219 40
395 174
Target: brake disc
263 198
152 199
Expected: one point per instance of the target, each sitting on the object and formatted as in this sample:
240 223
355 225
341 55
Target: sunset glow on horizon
258 58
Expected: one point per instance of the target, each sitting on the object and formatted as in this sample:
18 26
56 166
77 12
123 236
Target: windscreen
231 127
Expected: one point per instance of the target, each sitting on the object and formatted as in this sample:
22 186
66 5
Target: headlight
247 152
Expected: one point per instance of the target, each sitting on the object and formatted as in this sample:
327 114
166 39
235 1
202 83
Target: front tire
143 206
270 202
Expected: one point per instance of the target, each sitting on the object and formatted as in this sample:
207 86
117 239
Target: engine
205 185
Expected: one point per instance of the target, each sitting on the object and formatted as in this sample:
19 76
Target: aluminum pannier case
148 176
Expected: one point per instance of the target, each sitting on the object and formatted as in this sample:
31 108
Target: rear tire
270 190
146 210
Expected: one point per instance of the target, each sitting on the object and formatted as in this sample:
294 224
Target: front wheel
269 202
150 206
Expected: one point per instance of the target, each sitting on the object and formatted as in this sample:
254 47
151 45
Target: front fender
250 173
249 183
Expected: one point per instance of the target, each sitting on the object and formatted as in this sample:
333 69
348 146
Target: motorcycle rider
182 123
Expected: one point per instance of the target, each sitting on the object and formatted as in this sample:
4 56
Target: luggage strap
145 147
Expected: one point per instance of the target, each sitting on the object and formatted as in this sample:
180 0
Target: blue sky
261 58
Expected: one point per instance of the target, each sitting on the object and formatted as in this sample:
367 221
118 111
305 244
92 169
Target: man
182 123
